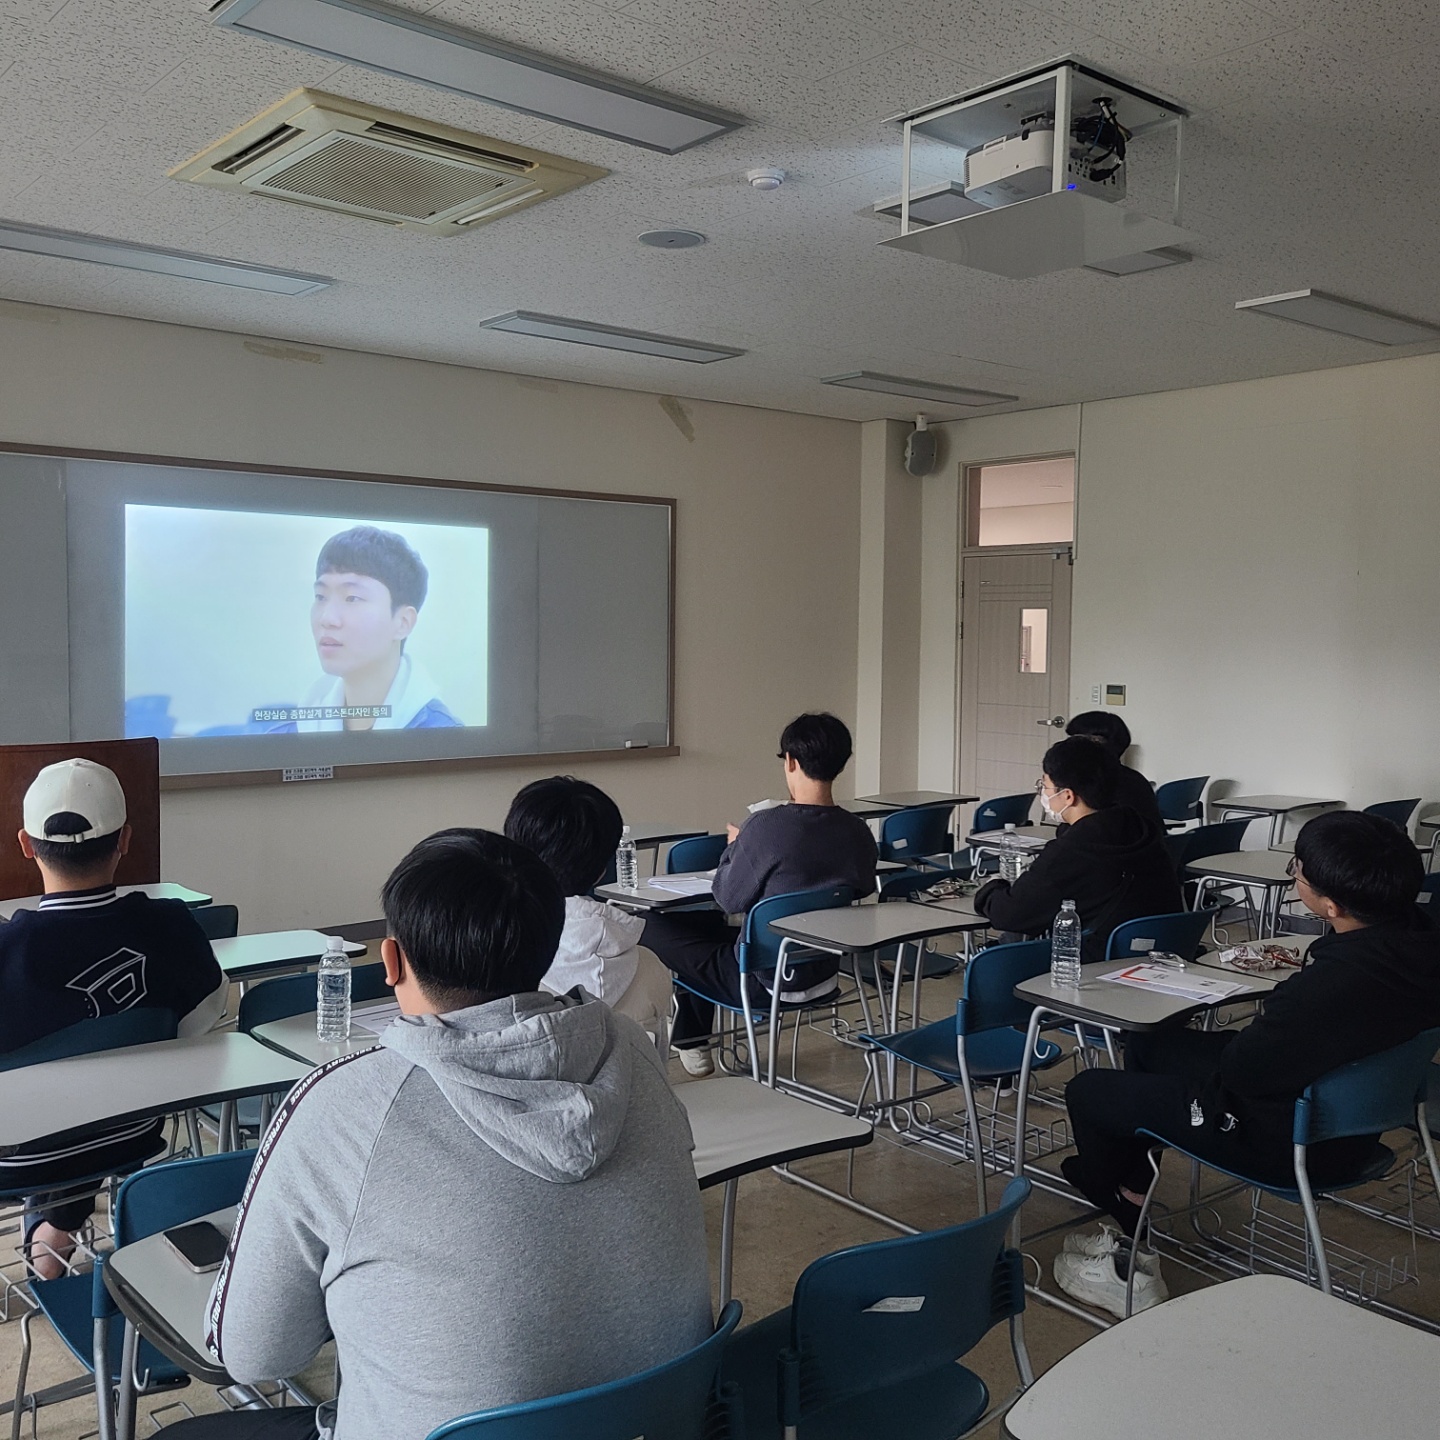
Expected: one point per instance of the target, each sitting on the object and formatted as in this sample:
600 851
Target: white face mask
1053 814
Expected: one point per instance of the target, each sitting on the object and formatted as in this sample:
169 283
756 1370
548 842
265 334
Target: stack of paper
682 884
1184 984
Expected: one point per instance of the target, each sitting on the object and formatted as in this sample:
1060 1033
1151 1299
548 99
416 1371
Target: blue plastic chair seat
992 1053
936 1404
1380 1163
66 1303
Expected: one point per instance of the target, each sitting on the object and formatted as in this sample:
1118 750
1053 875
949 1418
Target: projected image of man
370 586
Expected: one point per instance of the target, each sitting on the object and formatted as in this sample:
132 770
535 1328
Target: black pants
1162 1070
700 948
293 1423
68 1207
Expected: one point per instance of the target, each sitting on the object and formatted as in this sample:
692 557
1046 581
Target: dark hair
478 916
1366 864
1102 725
382 555
74 857
1090 770
572 825
819 743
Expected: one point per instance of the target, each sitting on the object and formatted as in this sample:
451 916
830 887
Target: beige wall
1256 563
768 547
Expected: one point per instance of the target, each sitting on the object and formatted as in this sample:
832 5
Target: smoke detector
765 178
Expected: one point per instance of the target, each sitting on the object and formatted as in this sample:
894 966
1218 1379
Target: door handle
1058 721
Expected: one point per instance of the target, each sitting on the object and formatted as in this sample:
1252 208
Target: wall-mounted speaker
922 451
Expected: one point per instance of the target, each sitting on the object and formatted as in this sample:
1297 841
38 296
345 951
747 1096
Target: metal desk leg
727 1240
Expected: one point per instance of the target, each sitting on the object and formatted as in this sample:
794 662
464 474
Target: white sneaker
1093 1279
1101 1243
697 1061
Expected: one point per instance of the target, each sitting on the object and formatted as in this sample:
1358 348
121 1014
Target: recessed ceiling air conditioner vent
321 150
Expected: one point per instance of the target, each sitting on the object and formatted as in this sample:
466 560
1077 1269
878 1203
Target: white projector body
1018 167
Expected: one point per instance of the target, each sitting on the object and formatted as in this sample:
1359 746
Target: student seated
495 1205
1111 861
86 953
1108 730
1371 983
575 827
809 844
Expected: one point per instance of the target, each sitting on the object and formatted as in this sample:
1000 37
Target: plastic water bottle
332 993
1065 946
627 863
1009 855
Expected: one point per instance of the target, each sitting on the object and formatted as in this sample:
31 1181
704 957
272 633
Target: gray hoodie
498 1204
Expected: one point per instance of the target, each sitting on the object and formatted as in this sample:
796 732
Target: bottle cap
1010 826
334 943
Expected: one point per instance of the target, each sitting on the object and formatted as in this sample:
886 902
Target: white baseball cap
74 788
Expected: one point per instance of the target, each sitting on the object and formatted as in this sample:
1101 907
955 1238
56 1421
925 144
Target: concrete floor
782 1227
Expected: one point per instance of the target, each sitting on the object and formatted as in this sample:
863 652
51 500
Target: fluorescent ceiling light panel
607 337
1145 260
933 204
917 389
67 245
415 47
1347 317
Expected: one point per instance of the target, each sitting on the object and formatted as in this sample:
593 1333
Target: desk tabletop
1125 1007
246 957
741 1127
1256 867
161 890
1270 804
859 929
1298 943
650 894
137 1082
154 1287
295 1035
648 833
1032 837
915 799
1263 1355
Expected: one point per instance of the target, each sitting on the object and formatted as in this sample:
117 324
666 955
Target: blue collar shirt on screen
412 702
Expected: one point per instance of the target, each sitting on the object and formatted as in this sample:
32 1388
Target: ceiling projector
1018 166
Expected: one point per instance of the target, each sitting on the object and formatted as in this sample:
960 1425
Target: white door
1014 667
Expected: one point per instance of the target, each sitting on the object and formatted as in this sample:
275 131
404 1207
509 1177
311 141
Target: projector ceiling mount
1045 156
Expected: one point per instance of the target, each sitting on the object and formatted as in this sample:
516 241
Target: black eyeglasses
1292 868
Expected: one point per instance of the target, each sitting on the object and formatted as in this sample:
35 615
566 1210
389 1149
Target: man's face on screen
353 624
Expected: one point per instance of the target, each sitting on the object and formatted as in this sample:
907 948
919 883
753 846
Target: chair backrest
288 995
923 831
1399 811
906 882
1178 934
1203 840
219 922
700 852
1180 799
845 1344
1006 810
669 1402
759 947
988 1001
178 1191
1369 1096
139 1026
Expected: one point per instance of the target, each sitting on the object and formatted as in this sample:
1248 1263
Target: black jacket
1112 864
1138 793
1361 993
